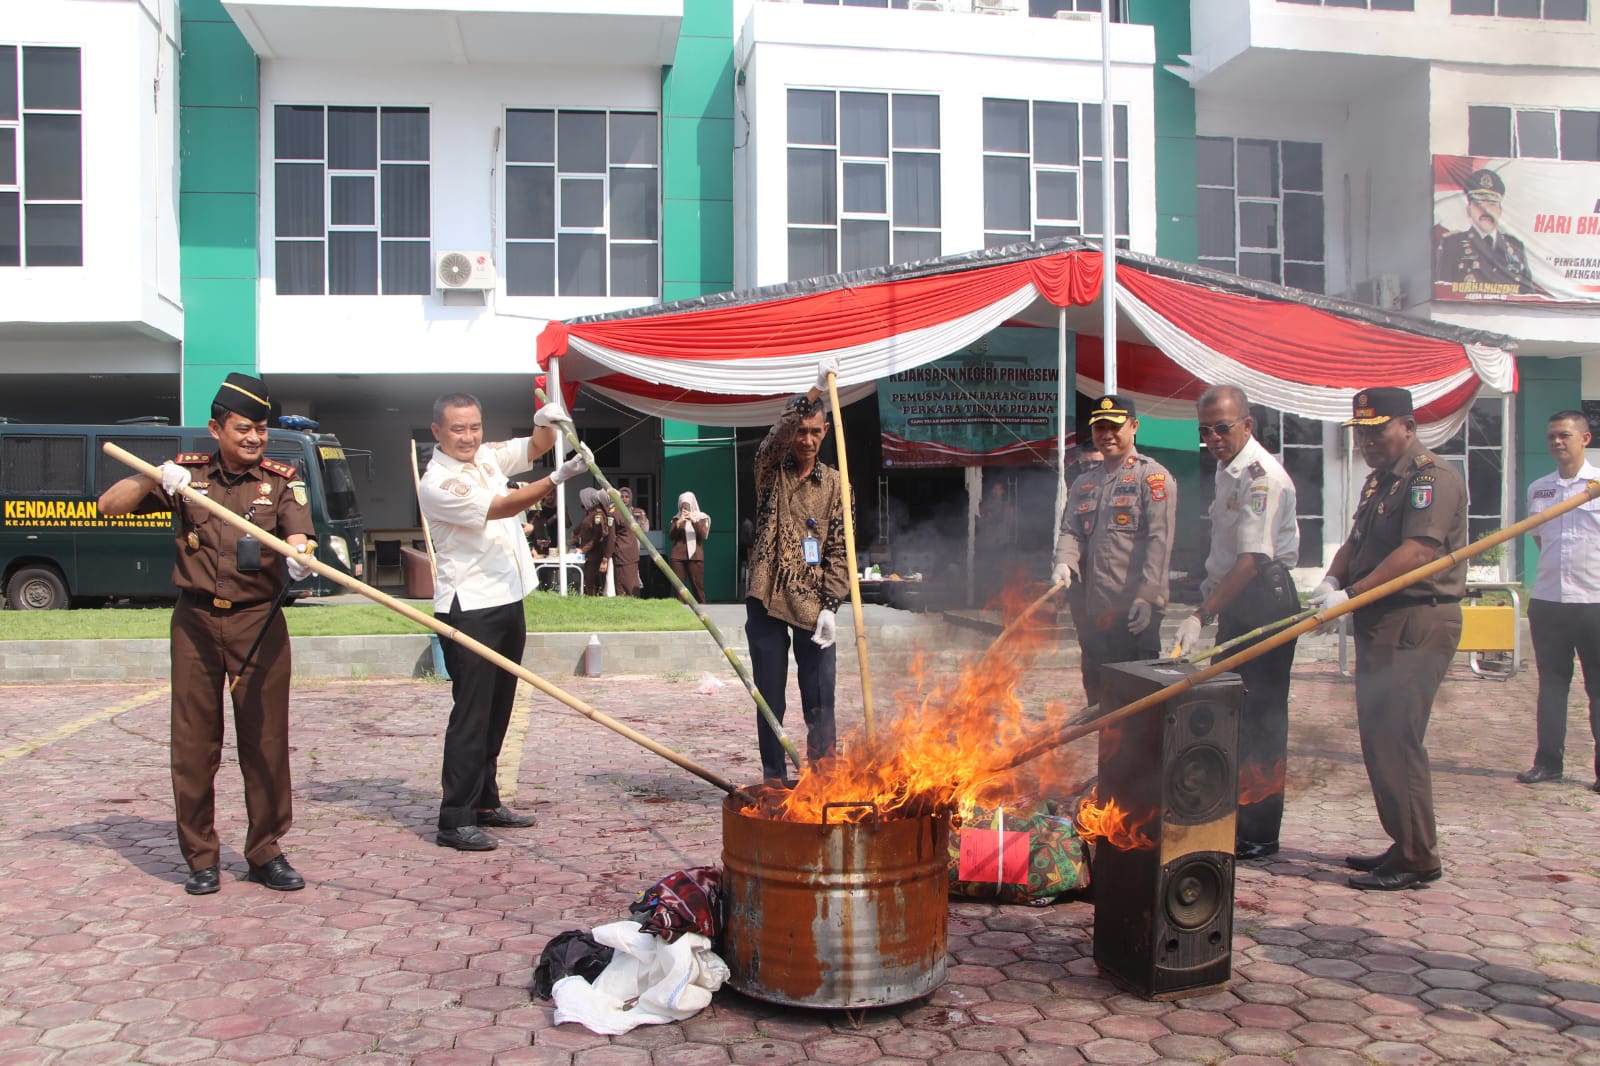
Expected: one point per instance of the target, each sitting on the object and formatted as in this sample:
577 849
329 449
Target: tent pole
561 495
850 554
1108 206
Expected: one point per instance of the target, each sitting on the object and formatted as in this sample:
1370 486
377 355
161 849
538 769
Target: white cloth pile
648 981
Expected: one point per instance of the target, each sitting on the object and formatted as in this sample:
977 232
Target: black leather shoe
501 818
202 882
1366 863
278 875
1539 773
1247 851
1385 880
466 838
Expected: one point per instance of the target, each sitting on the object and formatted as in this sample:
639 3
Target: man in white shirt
1564 611
1255 540
484 572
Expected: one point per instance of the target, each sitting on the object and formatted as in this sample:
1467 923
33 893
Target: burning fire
1257 784
1111 823
936 750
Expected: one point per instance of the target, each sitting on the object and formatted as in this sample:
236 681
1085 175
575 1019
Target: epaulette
272 466
192 458
1422 460
1256 470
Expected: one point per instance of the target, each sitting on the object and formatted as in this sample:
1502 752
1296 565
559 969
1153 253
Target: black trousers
483 694
1106 640
1561 630
815 669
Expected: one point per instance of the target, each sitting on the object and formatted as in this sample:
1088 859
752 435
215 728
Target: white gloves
1139 617
827 629
1328 594
1061 575
830 365
1188 638
174 477
578 464
550 414
298 570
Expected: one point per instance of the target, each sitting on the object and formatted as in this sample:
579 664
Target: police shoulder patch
1421 497
193 459
1257 502
281 469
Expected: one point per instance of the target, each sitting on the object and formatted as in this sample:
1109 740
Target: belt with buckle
218 602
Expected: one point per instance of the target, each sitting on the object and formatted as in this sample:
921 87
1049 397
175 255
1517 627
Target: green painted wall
697 130
1177 232
217 202
1544 386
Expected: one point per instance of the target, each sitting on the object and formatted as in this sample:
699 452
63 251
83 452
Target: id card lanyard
811 546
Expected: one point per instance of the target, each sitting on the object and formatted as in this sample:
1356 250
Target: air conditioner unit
993 7
1078 16
459 271
1383 291
925 5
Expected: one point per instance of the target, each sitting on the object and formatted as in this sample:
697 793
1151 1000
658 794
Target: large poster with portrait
993 403
1516 230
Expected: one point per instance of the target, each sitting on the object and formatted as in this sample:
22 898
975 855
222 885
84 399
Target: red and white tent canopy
734 358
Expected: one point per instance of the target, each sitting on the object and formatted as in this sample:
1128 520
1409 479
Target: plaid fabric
689 901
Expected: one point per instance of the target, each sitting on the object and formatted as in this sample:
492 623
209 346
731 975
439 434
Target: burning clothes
1027 854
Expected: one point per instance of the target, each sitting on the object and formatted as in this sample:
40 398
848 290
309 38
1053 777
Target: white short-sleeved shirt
484 562
1569 544
1253 512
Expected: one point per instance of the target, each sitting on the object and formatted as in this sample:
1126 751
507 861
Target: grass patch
546 612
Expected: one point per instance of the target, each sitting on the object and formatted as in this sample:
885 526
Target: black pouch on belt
247 554
1270 596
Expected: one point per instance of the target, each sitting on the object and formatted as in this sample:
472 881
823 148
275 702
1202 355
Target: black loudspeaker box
1163 922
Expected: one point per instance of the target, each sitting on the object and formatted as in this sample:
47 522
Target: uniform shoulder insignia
1422 460
272 466
1256 470
193 459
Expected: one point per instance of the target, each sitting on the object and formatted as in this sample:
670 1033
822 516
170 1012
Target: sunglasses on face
1221 429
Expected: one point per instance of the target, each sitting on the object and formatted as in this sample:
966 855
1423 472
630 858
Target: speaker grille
1199 788
1194 894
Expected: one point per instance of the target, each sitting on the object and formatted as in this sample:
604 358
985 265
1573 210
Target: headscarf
590 498
690 536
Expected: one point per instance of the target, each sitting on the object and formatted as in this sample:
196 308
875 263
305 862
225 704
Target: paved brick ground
400 951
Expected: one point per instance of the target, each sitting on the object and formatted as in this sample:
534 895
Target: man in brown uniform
228 585
1413 507
625 548
596 537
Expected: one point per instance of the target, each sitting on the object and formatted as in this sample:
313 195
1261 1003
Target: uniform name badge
810 546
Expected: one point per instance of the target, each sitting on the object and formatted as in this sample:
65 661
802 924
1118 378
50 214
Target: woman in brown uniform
596 539
688 531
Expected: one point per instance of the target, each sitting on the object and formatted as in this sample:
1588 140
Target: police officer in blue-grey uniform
1483 254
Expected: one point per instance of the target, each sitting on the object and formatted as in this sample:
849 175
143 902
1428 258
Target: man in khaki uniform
1413 507
1116 538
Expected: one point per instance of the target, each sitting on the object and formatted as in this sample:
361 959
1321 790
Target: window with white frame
41 156
351 188
1260 207
1534 133
1374 5
583 203
864 180
1477 451
860 3
1297 442
1050 8
1555 10
1042 167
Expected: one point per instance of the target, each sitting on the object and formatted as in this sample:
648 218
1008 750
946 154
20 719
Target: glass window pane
1308 431
1302 226
1344 3
1213 160
1006 201
865 244
1042 232
1483 481
811 117
405 200
1454 446
531 269
530 136
916 121
1580 135
50 78
1394 5
1536 134
1091 129
299 268
1312 277
1058 194
1227 266
530 202
812 193
581 143
352 264
1519 9
634 270
1005 125
916 190
1471 7
812 253
1486 422
1489 131
1304 467
634 206
634 138
1093 200
1055 133
581 264
583 203
53 154
1302 166
407 270
913 245
1119 135
297 132
8 81
1258 225
1262 266
297 200
405 133
1567 10
1258 168
54 235
866 188
1216 222
1311 541
351 200
864 124
353 138
10 229
1121 193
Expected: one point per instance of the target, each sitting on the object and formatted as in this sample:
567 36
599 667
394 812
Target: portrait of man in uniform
1484 254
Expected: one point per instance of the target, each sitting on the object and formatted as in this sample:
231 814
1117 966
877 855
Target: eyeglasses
1221 429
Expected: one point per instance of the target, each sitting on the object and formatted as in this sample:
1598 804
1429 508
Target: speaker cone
1199 786
1194 894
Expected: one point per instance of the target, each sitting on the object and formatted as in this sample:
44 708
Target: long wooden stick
850 554
1055 737
339 577
684 595
427 535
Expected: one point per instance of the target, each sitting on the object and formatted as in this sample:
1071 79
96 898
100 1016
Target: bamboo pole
850 554
684 595
339 577
1055 737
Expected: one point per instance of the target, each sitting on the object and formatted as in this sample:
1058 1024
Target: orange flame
1257 784
1111 823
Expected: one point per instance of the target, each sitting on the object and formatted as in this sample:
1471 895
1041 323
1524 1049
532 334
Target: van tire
36 588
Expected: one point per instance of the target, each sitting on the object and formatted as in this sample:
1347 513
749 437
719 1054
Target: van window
338 486
153 450
42 465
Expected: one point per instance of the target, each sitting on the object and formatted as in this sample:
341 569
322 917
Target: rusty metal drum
841 914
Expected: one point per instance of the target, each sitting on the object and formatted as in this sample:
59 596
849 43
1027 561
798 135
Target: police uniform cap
1485 185
1374 407
244 395
1112 408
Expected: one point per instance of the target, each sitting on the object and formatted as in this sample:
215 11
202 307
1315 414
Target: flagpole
1108 204
561 497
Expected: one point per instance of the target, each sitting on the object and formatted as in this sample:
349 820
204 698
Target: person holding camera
688 532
